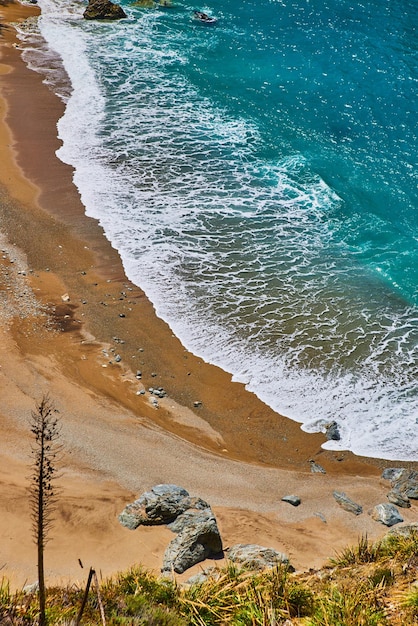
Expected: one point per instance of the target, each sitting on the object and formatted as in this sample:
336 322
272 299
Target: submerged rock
103 10
332 431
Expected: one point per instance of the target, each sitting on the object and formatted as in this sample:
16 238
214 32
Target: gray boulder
404 481
347 504
255 557
198 538
393 473
162 505
399 499
387 514
103 10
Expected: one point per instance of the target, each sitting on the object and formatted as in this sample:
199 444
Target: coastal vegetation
368 584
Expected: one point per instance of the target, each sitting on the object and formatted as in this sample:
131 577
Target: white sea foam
237 252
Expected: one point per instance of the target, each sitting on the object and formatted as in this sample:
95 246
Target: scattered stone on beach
387 514
393 473
255 557
403 481
347 504
293 500
332 431
103 10
399 499
316 468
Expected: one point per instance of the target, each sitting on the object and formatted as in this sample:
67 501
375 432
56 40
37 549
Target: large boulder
399 499
387 514
191 518
103 10
404 482
198 538
255 557
162 505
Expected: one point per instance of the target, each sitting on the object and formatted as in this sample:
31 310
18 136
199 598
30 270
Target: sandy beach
74 327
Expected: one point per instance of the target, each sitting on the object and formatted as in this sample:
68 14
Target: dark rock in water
387 514
347 504
161 505
252 556
293 500
395 497
332 432
316 468
103 10
198 538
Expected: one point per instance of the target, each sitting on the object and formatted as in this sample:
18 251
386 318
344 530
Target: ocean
258 177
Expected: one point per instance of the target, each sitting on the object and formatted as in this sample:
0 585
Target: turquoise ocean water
259 179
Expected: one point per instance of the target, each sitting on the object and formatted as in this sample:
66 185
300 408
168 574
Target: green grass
366 585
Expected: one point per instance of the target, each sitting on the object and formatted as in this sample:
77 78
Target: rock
31 588
161 505
254 557
197 539
403 481
395 497
387 514
198 510
403 531
103 10
332 432
393 473
347 504
210 573
293 500
191 518
316 468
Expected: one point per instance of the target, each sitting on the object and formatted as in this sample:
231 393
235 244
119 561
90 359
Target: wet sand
74 327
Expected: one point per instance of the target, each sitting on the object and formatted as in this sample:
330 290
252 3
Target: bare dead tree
44 425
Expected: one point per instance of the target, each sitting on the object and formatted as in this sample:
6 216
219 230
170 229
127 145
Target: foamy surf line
155 222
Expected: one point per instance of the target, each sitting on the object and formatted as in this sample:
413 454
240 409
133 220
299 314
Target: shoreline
81 314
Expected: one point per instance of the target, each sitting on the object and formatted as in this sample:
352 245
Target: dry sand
62 294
